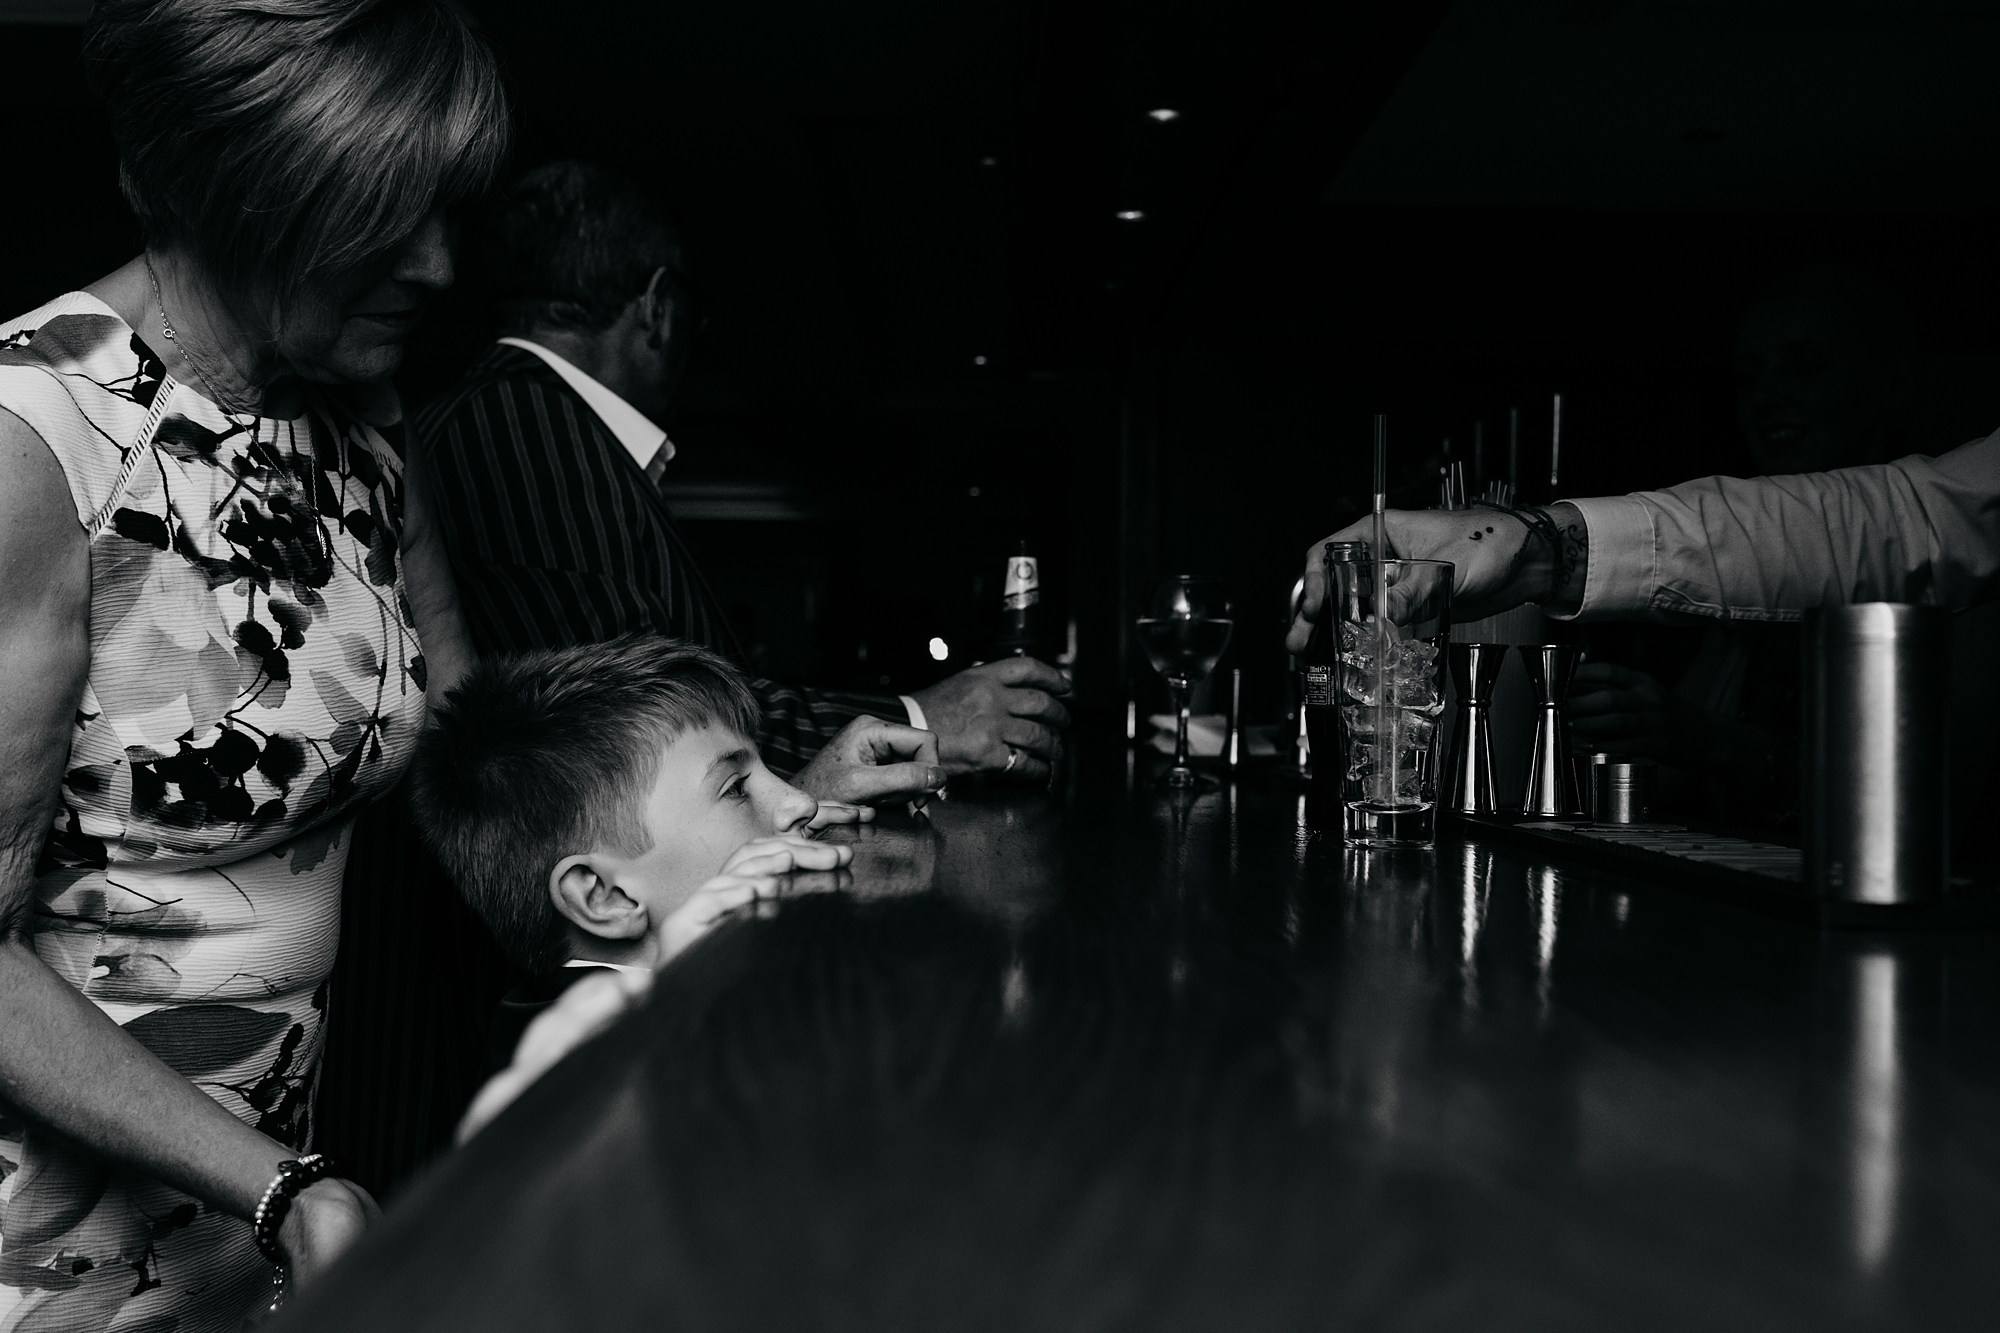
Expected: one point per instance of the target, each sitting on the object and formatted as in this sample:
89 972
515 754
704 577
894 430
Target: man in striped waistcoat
548 457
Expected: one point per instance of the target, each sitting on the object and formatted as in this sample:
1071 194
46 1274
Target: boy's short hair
542 755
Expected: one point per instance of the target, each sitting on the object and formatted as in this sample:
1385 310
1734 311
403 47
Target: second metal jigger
1474 669
1552 788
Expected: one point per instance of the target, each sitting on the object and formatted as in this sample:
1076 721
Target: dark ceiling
907 208
1885 106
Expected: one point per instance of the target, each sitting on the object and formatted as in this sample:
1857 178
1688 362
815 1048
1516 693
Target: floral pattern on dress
255 675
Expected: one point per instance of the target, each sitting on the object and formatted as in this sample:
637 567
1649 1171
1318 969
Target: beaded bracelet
1539 523
292 1177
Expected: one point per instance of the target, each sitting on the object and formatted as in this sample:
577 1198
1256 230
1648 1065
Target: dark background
1431 210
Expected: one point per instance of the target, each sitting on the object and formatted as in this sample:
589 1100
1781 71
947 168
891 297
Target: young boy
602 806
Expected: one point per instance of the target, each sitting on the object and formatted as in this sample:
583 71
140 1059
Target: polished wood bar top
1135 1058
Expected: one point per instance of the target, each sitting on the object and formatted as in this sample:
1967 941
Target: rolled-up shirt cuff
1624 557
916 712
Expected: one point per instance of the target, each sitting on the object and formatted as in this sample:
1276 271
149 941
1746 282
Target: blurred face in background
1818 384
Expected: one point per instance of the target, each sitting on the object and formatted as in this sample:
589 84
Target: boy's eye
737 788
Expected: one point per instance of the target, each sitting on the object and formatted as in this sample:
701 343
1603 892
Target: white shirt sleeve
915 711
1920 530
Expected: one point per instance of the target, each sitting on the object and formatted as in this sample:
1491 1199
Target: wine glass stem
1180 688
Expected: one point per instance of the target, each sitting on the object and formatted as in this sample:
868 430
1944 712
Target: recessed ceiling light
978 360
989 161
1164 114
940 650
1131 215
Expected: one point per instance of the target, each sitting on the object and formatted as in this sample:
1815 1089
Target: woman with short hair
221 607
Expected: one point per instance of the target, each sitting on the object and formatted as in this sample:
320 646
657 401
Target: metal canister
1624 791
1877 690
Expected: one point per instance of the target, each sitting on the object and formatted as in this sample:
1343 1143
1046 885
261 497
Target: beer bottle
1321 695
1020 606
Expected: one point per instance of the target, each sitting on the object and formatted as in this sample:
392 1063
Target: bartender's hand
1628 715
984 713
1498 562
872 762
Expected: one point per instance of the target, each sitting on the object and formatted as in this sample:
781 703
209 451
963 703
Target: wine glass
1184 631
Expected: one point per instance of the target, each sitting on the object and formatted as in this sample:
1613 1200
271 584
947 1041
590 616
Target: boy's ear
588 900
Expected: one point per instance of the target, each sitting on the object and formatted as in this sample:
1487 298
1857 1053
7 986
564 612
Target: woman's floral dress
254 677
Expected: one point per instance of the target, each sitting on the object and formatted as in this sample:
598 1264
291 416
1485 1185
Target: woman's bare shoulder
43 554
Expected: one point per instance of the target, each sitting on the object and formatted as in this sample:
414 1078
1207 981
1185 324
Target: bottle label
1319 686
1024 583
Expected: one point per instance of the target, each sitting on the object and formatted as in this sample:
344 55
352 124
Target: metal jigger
1551 789
1474 669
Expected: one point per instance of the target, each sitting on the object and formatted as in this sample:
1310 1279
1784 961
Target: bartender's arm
1922 530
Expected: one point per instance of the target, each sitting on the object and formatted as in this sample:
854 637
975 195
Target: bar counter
1134 1058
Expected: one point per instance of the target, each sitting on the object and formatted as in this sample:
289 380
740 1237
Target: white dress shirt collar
612 967
646 442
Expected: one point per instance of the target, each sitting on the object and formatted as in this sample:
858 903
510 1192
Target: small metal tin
1598 760
1624 792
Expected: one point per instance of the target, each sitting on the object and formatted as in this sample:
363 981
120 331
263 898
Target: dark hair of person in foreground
844 1117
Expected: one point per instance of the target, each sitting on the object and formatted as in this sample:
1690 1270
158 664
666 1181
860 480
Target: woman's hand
871 762
325 1218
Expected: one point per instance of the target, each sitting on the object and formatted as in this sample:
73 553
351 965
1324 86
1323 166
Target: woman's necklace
228 409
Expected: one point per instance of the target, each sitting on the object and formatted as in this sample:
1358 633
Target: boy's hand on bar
872 762
758 872
780 854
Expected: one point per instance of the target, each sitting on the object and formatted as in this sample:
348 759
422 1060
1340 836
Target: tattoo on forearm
1572 549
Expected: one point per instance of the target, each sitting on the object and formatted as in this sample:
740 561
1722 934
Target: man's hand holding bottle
985 714
1006 716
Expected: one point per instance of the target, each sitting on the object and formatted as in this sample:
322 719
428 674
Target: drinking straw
1385 740
1556 447
1513 453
